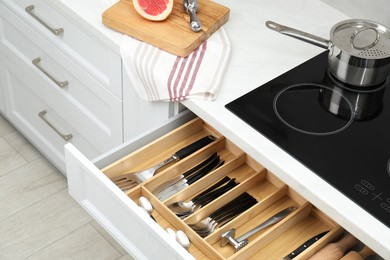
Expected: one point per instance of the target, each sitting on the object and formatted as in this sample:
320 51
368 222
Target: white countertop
259 55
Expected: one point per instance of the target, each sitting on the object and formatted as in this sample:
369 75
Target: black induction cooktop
341 132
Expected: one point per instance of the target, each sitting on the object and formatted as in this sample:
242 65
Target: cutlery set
223 215
130 180
218 202
184 208
168 189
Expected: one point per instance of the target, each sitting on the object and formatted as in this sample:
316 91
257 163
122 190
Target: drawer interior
250 177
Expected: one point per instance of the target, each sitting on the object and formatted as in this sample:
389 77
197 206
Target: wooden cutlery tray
272 195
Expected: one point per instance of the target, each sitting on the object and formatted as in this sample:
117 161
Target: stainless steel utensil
359 50
177 182
170 191
242 241
223 215
191 7
184 208
131 179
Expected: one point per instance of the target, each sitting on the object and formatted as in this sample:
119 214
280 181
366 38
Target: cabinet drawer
24 111
85 49
83 103
90 184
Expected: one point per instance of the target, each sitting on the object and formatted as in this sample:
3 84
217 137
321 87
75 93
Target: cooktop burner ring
315 133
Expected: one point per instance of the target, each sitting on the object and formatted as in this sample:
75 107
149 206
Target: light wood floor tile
38 218
22 146
84 243
126 257
27 185
40 225
10 159
5 127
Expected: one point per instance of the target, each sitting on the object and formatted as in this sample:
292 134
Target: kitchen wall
375 10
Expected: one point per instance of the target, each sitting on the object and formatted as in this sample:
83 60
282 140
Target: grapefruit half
155 10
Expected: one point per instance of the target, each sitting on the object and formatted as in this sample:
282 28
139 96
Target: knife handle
205 171
305 245
184 152
210 189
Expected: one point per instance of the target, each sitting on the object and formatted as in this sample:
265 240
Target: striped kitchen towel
158 75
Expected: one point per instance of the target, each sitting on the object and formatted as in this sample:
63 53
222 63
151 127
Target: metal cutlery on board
184 208
171 187
240 242
131 179
223 215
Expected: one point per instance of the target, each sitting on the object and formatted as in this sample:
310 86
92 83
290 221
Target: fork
131 179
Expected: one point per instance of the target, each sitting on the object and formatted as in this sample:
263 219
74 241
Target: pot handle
300 35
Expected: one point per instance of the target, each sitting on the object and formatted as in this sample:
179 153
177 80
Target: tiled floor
38 218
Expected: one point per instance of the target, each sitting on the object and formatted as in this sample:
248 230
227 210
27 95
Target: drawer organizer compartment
168 188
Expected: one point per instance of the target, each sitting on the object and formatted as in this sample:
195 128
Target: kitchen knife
304 246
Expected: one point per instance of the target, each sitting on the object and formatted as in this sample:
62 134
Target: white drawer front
85 49
113 209
84 103
22 109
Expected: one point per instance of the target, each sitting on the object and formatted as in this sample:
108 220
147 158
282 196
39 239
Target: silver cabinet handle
67 138
30 10
61 84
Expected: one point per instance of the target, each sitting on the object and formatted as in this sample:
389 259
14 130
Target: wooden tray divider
274 180
158 150
272 194
234 149
249 214
324 218
211 130
185 164
296 197
254 164
223 199
273 232
178 224
334 233
196 188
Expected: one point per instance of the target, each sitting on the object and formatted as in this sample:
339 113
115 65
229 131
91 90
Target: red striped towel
159 75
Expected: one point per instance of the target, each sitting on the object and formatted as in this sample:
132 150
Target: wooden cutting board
173 34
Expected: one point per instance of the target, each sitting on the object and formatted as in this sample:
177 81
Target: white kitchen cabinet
52 63
2 105
117 211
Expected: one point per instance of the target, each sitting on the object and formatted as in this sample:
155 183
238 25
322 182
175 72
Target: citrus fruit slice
155 10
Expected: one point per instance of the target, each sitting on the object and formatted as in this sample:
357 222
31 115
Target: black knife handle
212 195
206 170
305 245
210 189
195 146
203 164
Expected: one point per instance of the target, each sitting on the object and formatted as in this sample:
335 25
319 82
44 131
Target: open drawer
118 211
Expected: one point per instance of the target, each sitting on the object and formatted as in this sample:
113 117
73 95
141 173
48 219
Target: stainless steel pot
346 102
359 50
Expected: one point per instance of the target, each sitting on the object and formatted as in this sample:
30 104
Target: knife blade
304 246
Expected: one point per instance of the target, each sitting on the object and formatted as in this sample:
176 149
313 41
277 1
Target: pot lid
362 38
